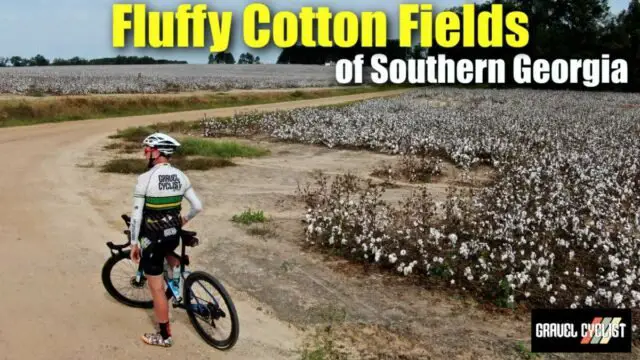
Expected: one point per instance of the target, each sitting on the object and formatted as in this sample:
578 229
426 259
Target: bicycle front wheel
210 310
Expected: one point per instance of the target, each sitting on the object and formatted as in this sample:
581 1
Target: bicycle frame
182 257
197 308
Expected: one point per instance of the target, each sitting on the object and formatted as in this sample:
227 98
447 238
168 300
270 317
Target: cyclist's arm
136 213
196 204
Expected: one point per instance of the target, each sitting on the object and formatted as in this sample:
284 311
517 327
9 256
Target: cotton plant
559 225
152 79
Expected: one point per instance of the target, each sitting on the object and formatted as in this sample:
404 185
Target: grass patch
200 163
68 108
178 126
133 134
139 166
521 348
249 217
125 166
323 347
322 344
194 154
133 137
113 146
223 149
262 230
130 147
137 133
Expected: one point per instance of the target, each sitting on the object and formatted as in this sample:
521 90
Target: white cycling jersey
160 191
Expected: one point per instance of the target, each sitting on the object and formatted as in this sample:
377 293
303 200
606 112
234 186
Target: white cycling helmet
164 143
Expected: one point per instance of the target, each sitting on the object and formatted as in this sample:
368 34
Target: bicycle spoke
121 279
217 331
212 297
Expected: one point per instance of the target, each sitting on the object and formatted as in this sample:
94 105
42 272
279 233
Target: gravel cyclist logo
601 330
581 330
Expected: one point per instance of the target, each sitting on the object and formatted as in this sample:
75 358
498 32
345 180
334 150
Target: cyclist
156 221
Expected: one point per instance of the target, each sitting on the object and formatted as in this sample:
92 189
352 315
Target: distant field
68 80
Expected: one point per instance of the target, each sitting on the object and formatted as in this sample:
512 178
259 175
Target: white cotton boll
617 299
552 300
588 301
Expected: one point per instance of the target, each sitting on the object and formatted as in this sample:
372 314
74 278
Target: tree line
561 29
40 60
228 58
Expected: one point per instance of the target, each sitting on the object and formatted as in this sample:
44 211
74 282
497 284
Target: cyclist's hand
135 253
184 221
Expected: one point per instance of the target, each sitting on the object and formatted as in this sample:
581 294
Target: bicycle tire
235 324
106 281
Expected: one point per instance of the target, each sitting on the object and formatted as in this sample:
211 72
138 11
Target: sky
68 28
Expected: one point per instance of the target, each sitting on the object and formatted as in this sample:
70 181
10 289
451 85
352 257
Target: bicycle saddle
189 233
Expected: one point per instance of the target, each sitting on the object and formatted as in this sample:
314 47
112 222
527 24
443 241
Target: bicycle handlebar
126 219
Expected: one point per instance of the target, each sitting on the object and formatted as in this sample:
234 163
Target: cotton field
557 227
66 80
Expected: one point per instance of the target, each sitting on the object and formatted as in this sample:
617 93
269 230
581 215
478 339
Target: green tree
17 61
38 60
222 58
246 58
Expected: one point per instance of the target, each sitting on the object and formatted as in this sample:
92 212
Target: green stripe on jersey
163 200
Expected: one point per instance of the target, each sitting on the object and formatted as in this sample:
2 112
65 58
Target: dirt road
53 303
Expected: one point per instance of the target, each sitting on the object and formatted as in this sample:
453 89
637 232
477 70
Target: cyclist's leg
170 245
153 261
173 261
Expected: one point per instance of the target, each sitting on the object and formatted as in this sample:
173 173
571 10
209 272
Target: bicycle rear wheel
137 295
206 311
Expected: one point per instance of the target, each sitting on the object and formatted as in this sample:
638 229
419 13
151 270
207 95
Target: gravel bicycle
197 308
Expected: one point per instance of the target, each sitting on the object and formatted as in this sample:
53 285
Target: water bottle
176 282
165 268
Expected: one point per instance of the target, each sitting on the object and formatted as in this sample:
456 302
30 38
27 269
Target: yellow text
449 29
344 29
156 29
